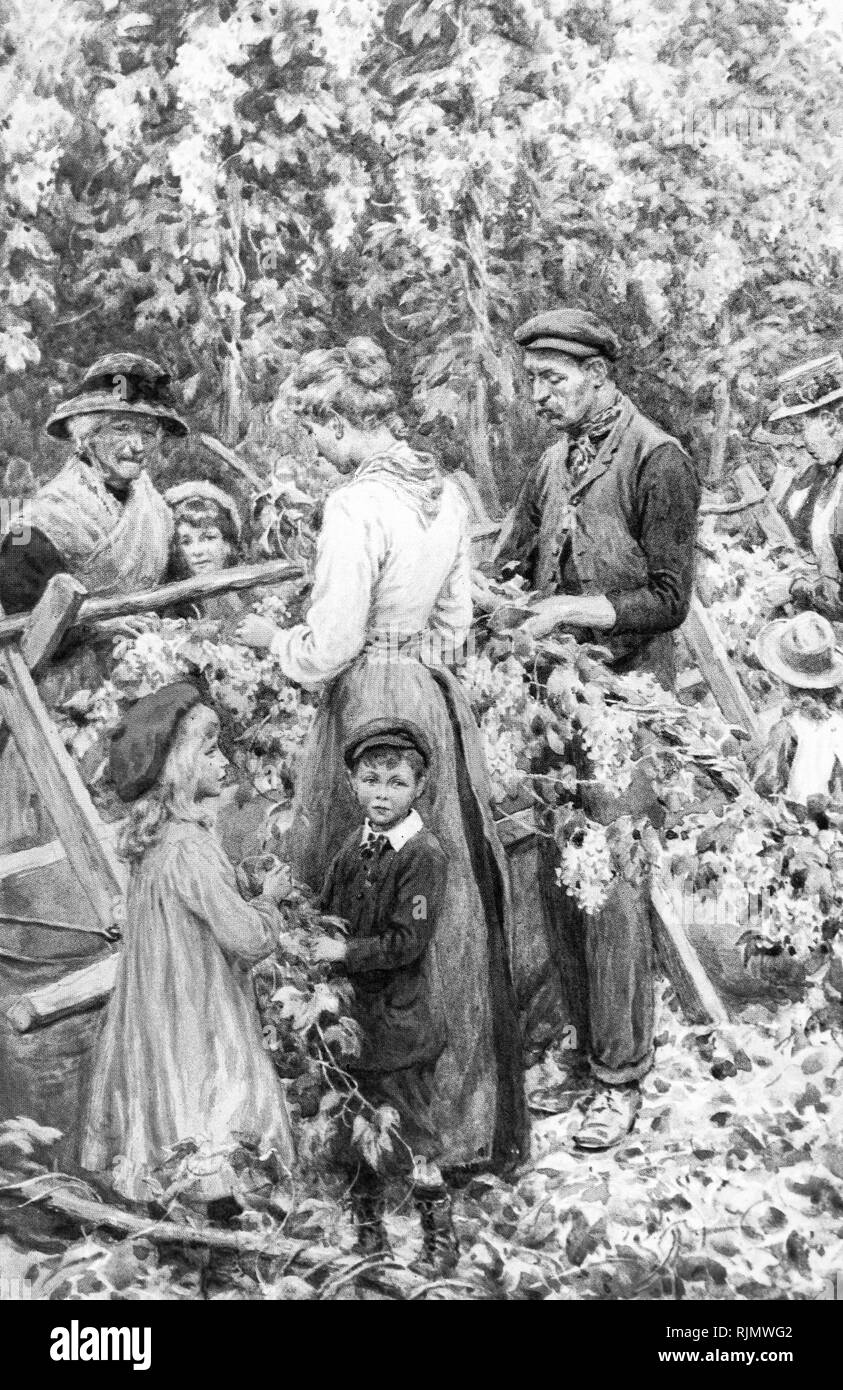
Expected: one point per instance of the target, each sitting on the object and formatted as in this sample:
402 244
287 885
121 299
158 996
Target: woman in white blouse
391 610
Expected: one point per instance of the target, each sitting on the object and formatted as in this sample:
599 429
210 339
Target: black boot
368 1204
440 1247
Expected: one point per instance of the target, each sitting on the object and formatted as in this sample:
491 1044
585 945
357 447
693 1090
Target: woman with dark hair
390 612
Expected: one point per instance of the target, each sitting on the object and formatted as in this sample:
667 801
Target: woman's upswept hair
172 797
353 382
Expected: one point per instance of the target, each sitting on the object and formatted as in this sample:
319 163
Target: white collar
399 834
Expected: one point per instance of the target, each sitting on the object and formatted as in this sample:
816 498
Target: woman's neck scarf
112 545
415 477
585 439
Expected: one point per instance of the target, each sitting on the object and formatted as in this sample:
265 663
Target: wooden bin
43 1072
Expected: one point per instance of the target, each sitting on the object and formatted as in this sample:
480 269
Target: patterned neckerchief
374 846
585 439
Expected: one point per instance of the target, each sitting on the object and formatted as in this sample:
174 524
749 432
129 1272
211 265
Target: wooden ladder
27 641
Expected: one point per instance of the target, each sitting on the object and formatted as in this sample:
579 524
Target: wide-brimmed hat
124 383
811 386
199 489
801 651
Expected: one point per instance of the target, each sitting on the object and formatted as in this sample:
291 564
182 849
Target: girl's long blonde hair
173 796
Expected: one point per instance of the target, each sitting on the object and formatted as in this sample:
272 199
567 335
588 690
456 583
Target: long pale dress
181 1054
392 586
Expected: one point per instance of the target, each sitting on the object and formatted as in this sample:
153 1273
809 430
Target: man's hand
570 610
549 613
255 631
278 884
326 948
508 616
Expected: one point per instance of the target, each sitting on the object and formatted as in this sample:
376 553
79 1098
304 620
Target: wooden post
706 647
699 999
55 612
73 994
222 451
153 600
29 861
720 434
765 512
65 796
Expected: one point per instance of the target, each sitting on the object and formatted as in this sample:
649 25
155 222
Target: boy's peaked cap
400 734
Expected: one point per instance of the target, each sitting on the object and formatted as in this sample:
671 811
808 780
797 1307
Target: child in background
803 753
180 1055
387 882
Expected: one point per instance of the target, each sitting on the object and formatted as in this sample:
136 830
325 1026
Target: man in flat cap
604 530
605 523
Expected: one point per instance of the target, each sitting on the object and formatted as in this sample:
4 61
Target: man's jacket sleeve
518 543
667 502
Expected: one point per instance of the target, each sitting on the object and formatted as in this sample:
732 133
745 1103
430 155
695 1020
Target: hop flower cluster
585 870
793 921
503 686
608 741
504 747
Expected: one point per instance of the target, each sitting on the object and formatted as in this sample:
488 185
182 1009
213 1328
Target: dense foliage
229 183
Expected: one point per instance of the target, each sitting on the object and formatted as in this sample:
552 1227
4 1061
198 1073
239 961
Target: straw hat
124 383
801 651
811 386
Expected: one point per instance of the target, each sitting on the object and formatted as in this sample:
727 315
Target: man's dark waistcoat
625 529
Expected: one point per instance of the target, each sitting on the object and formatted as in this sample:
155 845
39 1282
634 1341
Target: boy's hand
325 948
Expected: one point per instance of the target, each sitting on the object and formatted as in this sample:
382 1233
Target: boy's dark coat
391 902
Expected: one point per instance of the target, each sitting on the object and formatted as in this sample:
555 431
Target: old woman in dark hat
100 520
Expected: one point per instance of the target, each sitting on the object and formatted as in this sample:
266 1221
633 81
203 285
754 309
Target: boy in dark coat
387 882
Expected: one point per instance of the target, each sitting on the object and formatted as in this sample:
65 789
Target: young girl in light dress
180 1056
